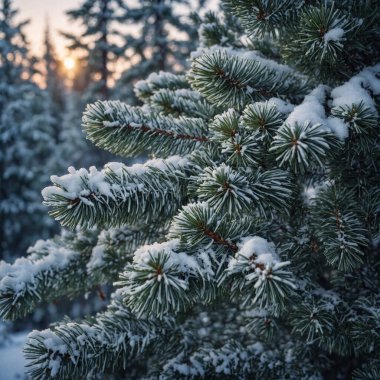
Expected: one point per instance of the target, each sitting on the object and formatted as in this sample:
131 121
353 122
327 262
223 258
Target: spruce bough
248 246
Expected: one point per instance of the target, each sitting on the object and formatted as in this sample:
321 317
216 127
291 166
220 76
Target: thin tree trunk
159 31
104 50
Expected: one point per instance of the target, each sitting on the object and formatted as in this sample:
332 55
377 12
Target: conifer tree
26 141
64 105
97 50
54 78
160 37
248 247
96 45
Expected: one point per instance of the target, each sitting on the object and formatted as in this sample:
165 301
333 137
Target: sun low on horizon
69 63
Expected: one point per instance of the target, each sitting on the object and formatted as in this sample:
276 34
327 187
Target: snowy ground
12 361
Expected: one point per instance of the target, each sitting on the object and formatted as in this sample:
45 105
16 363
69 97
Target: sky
39 10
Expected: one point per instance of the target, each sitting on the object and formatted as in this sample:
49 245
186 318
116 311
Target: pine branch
216 31
162 279
115 248
341 235
84 349
127 131
233 81
118 194
54 268
69 265
314 320
144 89
155 287
182 102
261 17
303 147
229 190
258 277
262 118
197 224
239 145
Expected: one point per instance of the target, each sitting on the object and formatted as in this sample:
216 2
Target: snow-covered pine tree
249 246
160 35
64 104
54 78
27 140
98 49
96 46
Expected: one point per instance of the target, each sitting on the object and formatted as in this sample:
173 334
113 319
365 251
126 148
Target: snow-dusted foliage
101 19
160 37
28 139
248 246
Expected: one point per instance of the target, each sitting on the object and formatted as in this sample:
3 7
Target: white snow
185 262
79 183
335 34
22 273
281 105
338 127
311 109
258 260
253 55
96 257
111 124
256 245
354 91
51 340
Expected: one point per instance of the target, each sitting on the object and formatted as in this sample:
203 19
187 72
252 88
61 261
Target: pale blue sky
38 10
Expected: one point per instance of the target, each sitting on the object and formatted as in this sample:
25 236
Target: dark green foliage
110 124
256 250
234 81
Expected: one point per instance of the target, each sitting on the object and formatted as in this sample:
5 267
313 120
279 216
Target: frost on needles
248 246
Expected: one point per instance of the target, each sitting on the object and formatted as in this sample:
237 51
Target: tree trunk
104 50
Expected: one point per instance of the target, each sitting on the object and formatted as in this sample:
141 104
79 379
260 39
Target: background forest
43 94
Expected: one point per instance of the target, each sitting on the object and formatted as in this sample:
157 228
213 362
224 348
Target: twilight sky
38 10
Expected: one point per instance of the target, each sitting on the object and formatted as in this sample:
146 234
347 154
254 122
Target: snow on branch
230 190
84 349
124 130
354 93
226 77
161 280
182 102
115 248
118 194
53 269
144 89
259 276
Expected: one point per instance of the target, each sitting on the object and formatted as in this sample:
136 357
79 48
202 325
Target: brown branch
163 132
219 239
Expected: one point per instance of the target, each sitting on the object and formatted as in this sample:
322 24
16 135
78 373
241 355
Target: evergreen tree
160 37
249 246
62 103
54 78
101 22
97 52
26 141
